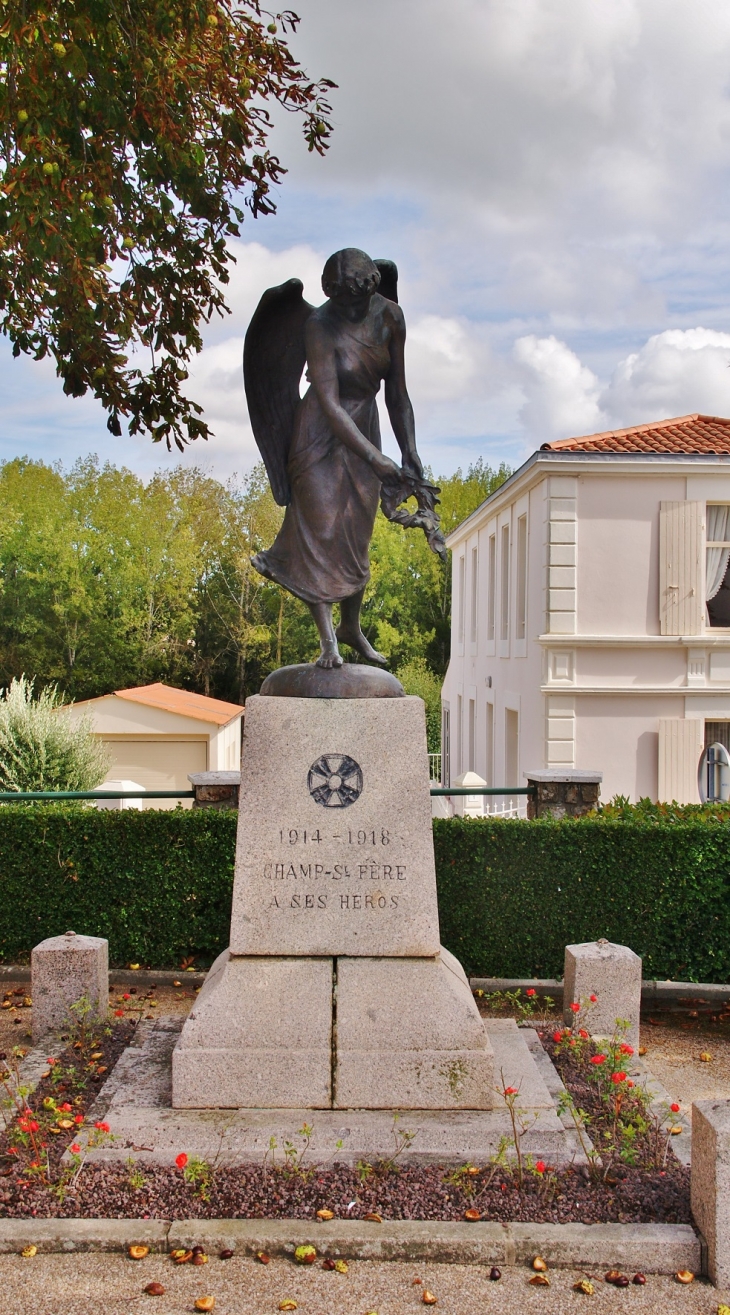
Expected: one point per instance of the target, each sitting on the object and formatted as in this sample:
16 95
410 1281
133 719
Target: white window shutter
681 567
680 746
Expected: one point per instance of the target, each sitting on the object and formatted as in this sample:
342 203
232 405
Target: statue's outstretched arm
396 396
322 374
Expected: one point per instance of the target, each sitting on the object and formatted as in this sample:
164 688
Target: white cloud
561 394
441 359
674 373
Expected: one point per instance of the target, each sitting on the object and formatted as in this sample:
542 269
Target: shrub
417 678
42 747
512 894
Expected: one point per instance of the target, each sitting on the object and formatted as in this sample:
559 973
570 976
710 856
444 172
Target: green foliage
416 678
127 130
156 884
646 812
42 747
407 607
513 894
107 582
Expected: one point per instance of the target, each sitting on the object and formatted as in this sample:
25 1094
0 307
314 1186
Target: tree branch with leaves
134 133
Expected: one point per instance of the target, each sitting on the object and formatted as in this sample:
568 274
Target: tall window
504 601
492 582
472 734
490 744
445 744
459 735
511 746
474 594
717 574
521 618
462 587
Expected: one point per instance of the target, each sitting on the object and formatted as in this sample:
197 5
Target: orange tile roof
693 434
181 701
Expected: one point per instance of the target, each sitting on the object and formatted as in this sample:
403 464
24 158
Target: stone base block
409 1036
64 971
613 974
259 1035
711 1184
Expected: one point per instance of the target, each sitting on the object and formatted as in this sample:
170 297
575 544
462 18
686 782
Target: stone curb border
652 993
652 1248
117 976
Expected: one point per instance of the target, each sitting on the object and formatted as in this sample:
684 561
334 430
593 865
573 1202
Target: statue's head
349 274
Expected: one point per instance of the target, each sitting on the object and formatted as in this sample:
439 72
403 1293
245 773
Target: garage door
158 765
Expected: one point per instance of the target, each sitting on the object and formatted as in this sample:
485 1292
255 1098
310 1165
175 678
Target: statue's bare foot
357 640
329 657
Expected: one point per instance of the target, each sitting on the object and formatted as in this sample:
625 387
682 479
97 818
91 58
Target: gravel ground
672 1055
113 1285
16 1020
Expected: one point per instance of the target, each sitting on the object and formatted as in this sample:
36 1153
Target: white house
158 734
591 613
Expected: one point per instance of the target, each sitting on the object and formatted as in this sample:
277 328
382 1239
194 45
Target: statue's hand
412 465
385 469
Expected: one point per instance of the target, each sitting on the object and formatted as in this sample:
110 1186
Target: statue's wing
388 279
273 360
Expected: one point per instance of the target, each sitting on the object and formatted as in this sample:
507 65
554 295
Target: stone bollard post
63 970
613 974
562 794
215 789
710 1186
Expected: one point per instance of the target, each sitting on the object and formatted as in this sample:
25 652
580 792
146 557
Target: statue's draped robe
321 551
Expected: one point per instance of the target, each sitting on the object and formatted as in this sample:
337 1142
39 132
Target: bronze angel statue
322 451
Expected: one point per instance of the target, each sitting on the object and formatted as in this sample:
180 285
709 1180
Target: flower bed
637 1178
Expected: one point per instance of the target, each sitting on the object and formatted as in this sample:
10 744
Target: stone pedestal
613 974
562 794
215 789
258 1026
711 1184
335 991
63 971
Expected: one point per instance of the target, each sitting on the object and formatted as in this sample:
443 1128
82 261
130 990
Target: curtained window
717 583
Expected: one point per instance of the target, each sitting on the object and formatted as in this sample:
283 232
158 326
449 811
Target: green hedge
156 884
512 894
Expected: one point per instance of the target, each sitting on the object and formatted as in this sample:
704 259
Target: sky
551 178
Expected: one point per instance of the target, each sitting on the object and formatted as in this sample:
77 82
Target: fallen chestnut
155 1290
495 1274
639 1280
621 1282
226 1254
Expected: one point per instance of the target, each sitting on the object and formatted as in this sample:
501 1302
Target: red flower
119 1013
78 1118
582 1032
540 1167
575 1007
557 1036
65 1107
51 1061
181 1160
530 991
598 1059
103 1127
626 1049
75 1149
674 1108
629 1083
12 1150
618 1077
508 1091
593 999
126 996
